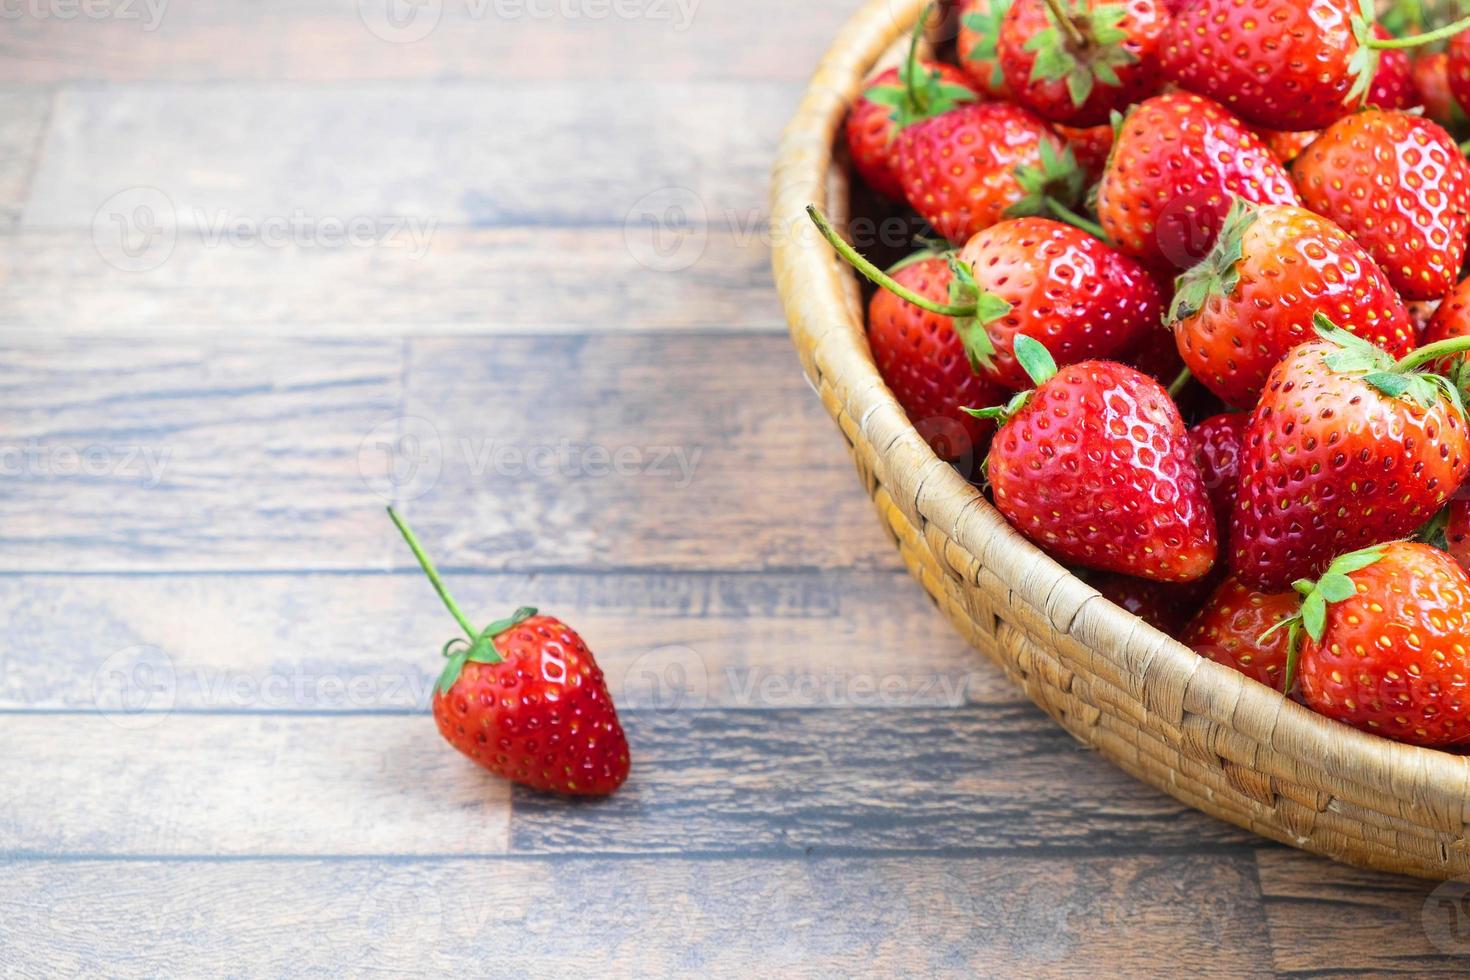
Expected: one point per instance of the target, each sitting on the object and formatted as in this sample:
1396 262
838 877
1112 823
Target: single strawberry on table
1379 643
1253 297
1235 628
1059 285
1399 184
524 698
1346 448
1178 162
1094 466
893 99
1077 61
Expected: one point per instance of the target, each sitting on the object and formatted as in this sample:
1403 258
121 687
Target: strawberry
1297 64
976 46
1059 285
1090 145
1398 184
1234 629
1452 317
1457 71
1163 605
1381 640
1346 448
1393 83
1177 163
1216 442
1078 61
1094 466
965 170
894 99
1286 145
1449 531
524 698
924 361
1252 299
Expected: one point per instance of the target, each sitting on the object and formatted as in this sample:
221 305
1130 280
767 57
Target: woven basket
1205 734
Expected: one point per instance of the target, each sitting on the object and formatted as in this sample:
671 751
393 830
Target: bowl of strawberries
1147 326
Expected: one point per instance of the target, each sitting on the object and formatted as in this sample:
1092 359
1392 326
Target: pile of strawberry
1261 205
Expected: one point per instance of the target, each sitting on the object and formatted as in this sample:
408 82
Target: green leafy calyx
1083 46
1038 364
988 307
1058 179
1363 64
921 91
1394 379
1218 273
480 650
1335 585
985 22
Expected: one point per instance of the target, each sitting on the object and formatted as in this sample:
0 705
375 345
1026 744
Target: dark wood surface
556 346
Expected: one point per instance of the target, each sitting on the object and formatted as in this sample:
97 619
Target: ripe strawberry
1178 161
1299 64
1216 442
1452 318
1234 629
1449 531
1057 284
976 46
1382 644
1398 184
1094 466
1252 299
1457 69
924 362
1345 449
1078 61
1286 145
1166 606
894 99
1431 71
1393 83
960 170
524 698
1090 145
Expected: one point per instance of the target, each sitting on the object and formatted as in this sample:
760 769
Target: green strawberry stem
1066 214
1075 38
1180 380
877 275
1430 352
1439 34
427 565
911 67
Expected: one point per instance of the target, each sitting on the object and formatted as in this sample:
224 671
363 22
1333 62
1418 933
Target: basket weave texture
1205 734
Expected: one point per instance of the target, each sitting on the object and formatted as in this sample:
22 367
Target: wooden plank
334 40
23 117
689 452
982 777
302 642
980 916
468 281
237 785
346 160
1328 919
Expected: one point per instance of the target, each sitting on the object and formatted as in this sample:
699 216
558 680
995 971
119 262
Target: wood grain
1012 916
23 118
222 785
330 40
1331 920
696 452
302 642
992 777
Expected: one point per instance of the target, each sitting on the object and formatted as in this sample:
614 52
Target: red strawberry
894 99
1432 89
1178 162
1382 637
1234 628
1095 467
1077 61
1452 318
1297 64
1051 281
924 362
1163 605
959 169
1393 83
1252 299
1457 532
976 46
1216 443
1286 145
1064 288
525 699
1398 184
1345 449
1457 70
1090 145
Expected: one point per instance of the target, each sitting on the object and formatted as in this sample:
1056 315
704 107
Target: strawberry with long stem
524 698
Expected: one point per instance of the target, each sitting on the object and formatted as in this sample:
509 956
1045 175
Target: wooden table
268 266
